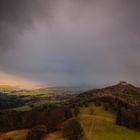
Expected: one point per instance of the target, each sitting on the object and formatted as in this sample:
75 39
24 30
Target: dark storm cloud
64 42
19 15
13 18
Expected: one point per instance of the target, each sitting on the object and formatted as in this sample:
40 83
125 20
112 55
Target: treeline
126 114
9 101
50 116
129 117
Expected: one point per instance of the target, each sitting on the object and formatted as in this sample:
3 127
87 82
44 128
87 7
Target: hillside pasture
100 125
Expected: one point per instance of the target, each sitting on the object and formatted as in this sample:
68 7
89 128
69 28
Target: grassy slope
100 126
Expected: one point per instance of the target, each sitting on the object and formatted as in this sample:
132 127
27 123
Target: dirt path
89 133
52 136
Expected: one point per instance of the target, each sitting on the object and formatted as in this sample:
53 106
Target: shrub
106 106
72 130
37 133
91 111
97 103
76 111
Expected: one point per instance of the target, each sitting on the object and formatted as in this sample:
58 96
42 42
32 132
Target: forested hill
123 99
122 90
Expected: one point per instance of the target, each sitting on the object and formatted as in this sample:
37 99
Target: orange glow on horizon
7 79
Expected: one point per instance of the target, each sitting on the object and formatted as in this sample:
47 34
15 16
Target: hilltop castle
124 83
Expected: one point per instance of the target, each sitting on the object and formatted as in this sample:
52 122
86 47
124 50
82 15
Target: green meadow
22 108
100 125
46 102
36 92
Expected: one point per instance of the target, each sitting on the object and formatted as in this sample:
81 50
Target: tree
97 103
127 118
106 106
76 111
91 111
37 133
119 117
73 130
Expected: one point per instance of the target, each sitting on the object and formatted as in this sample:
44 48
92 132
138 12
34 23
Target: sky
69 42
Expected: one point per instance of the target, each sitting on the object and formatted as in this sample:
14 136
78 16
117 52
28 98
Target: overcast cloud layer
71 42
